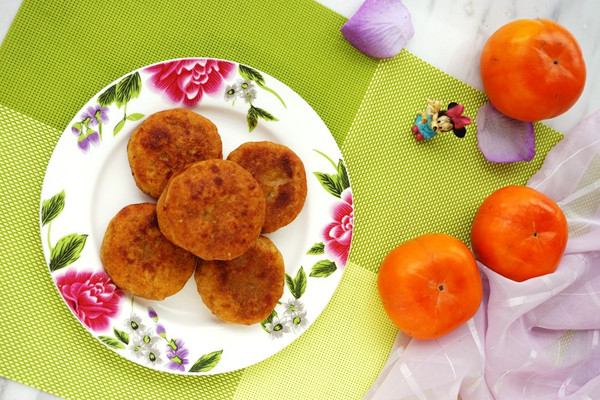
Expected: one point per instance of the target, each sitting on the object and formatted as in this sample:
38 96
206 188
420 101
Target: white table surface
468 23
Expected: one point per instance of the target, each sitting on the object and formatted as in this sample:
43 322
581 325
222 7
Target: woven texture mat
56 56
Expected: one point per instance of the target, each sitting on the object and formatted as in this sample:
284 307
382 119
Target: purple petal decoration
94 138
152 314
160 329
103 114
83 143
503 139
380 28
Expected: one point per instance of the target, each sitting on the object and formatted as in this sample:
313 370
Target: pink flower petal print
337 235
93 297
187 80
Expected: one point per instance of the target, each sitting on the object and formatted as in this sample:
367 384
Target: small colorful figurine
434 120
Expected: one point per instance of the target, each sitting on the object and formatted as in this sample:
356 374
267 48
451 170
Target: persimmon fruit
532 69
519 233
430 285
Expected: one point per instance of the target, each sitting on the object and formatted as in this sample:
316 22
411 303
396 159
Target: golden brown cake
281 176
244 290
213 208
166 142
139 259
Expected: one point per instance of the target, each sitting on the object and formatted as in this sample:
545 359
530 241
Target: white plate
88 181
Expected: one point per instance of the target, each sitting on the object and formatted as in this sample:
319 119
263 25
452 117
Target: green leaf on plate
297 285
52 207
323 269
342 176
264 114
252 119
329 183
251 74
254 113
118 127
207 362
336 183
122 336
114 343
135 116
67 251
316 249
128 88
108 96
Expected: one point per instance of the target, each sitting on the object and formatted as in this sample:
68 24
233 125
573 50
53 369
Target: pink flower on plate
185 81
93 297
338 234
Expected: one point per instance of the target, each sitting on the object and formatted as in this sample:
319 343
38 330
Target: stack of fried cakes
208 219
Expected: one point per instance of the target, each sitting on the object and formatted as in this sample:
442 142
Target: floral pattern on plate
88 181
149 344
337 236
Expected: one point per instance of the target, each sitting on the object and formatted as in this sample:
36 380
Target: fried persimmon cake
139 259
166 142
281 176
244 290
213 208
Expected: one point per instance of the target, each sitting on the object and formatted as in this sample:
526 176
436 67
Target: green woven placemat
56 56
403 188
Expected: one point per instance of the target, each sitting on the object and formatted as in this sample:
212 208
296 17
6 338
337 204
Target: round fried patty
281 176
139 259
244 290
167 141
213 208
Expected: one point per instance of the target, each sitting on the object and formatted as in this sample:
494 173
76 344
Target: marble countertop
468 23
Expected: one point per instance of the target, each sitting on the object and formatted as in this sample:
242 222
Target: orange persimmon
532 69
519 233
430 285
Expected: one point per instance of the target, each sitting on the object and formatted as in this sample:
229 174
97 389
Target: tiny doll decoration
434 120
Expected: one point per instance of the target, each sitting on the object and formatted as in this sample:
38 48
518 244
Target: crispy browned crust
167 141
139 259
213 208
281 176
244 290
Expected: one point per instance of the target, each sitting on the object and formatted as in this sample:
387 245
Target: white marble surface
468 23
